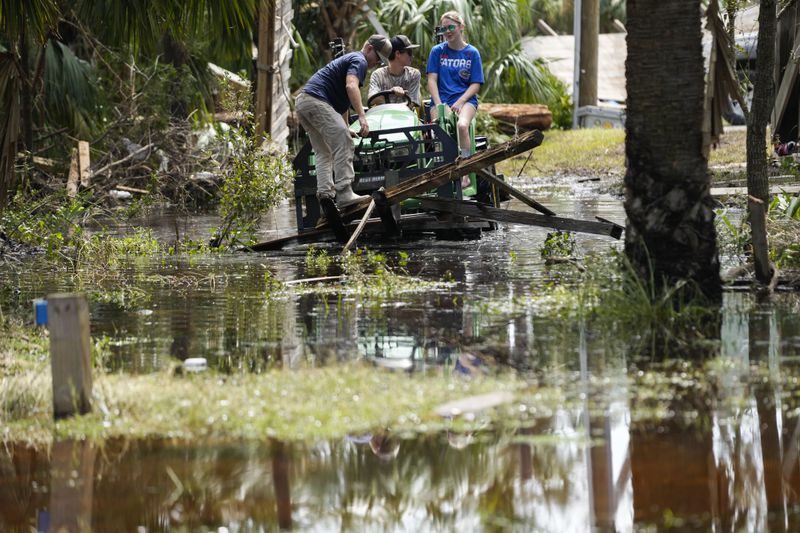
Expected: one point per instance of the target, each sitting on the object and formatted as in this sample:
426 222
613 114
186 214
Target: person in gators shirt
455 75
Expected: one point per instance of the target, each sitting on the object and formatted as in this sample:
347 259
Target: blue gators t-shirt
457 70
328 83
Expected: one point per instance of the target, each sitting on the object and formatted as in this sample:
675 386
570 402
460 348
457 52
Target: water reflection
596 463
544 477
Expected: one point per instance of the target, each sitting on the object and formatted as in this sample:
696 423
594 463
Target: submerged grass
309 403
330 402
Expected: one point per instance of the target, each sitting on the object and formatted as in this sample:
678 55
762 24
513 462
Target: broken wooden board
519 117
742 191
84 162
416 224
72 177
516 193
486 212
450 172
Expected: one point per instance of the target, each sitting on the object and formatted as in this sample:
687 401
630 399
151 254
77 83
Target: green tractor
399 146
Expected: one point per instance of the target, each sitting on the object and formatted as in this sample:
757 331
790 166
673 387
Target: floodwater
731 463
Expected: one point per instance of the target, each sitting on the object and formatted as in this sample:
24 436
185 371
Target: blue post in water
40 311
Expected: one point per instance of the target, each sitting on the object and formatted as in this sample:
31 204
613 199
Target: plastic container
40 311
195 364
601 117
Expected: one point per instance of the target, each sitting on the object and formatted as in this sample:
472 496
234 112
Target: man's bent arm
354 94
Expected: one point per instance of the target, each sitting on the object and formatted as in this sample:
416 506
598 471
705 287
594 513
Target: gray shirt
383 80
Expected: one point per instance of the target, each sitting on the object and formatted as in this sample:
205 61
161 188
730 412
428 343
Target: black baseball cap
401 42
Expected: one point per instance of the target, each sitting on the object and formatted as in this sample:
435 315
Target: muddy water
602 464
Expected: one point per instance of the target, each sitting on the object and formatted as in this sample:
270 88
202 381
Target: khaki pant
333 146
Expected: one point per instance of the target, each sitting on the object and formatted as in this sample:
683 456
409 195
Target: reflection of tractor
399 147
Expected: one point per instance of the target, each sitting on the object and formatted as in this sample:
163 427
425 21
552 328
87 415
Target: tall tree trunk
670 232
27 93
590 31
176 54
757 120
340 18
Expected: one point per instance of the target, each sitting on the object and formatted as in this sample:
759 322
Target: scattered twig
120 161
312 280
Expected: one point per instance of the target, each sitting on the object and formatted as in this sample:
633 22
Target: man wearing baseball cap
322 110
399 76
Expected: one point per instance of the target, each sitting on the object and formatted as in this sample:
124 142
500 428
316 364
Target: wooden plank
483 211
70 354
417 223
83 163
784 93
735 191
516 193
360 227
265 67
451 171
72 178
45 162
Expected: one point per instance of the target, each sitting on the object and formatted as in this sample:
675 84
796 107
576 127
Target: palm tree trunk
763 100
670 231
27 93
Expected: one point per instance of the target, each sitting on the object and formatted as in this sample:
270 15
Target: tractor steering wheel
385 95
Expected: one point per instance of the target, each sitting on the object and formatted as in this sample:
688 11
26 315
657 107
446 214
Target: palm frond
133 23
226 25
69 89
227 15
37 17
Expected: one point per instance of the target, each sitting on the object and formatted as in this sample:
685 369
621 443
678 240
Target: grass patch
309 403
601 152
585 152
731 151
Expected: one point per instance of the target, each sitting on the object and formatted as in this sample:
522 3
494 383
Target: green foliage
104 251
49 223
784 218
69 89
733 238
609 296
37 17
318 261
561 108
272 285
785 205
256 181
558 14
558 244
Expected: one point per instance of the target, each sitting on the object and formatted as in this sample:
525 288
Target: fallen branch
131 189
312 280
119 162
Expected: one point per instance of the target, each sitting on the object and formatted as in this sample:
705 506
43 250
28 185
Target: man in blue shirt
322 109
